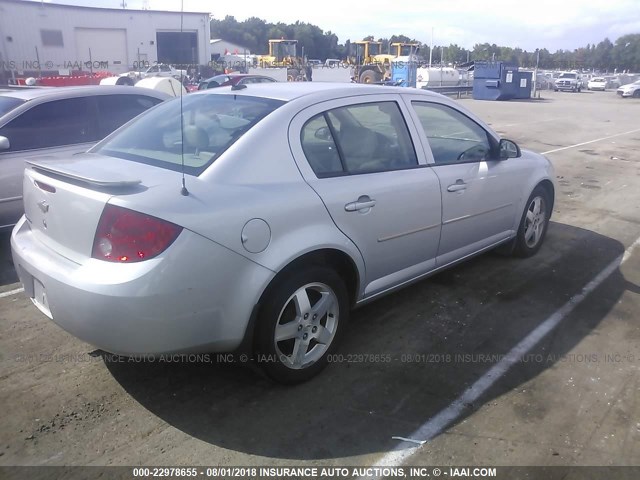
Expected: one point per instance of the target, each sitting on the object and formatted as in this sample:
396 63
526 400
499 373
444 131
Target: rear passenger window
116 110
362 138
320 149
52 124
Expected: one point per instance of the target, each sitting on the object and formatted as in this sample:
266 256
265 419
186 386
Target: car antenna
183 190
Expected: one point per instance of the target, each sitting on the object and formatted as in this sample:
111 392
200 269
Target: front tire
300 324
534 223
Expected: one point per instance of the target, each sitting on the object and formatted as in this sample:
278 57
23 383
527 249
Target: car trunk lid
64 198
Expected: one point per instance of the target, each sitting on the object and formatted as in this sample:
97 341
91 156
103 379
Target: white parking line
591 141
439 422
11 292
526 123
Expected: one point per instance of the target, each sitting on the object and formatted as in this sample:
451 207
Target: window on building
51 38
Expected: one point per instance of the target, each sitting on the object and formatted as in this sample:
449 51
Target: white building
64 38
220 47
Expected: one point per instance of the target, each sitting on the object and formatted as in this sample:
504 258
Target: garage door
106 44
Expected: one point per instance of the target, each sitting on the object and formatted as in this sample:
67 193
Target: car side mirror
323 133
509 149
4 144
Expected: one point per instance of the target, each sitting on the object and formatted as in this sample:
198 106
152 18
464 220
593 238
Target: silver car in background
300 202
58 121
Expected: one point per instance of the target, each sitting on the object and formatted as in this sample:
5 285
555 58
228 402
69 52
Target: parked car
257 218
333 62
52 121
597 83
568 81
233 79
630 90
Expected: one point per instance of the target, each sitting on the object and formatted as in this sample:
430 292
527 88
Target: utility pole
431 48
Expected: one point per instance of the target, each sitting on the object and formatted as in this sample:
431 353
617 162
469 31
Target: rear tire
368 77
534 223
300 324
292 74
125 81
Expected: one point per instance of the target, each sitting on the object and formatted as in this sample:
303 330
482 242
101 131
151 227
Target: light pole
431 48
535 73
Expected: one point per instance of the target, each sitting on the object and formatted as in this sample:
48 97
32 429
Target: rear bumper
195 297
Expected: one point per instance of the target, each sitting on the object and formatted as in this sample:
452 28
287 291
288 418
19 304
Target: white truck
568 81
156 70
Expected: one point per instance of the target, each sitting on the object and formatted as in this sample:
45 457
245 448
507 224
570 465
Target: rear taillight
126 236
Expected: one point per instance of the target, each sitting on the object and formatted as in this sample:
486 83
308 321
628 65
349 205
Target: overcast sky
530 24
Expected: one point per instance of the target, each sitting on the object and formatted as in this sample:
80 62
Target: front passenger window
52 124
453 137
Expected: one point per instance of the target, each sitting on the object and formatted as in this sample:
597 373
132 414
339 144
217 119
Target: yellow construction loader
370 65
283 54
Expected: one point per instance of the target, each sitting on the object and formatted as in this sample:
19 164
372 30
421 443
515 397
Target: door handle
363 203
456 187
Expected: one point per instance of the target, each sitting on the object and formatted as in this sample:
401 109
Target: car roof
287 91
87 90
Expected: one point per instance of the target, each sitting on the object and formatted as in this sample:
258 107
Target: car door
54 127
479 192
360 158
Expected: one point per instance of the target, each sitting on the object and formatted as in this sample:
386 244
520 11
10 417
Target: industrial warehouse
47 38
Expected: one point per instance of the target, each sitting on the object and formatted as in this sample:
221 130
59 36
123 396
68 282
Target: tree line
254 33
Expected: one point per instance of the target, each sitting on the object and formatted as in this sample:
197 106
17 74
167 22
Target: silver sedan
260 216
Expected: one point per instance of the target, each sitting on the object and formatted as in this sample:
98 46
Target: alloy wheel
307 325
535 221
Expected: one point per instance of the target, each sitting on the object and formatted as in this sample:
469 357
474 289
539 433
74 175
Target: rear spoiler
99 178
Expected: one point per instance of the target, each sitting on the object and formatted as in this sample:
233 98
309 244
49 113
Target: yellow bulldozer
283 54
370 65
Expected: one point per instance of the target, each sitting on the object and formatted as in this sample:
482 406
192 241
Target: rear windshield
9 103
213 82
208 126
